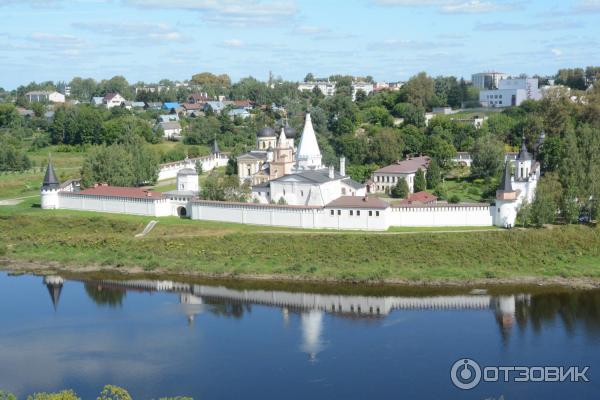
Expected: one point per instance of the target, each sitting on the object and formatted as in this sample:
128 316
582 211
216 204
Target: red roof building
420 198
120 191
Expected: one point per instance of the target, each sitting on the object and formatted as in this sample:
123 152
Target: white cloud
557 52
233 43
534 26
477 7
140 32
231 12
455 6
584 6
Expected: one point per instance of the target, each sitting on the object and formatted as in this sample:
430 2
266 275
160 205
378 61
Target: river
215 340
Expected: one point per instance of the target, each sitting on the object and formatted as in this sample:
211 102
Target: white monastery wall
135 206
169 170
446 215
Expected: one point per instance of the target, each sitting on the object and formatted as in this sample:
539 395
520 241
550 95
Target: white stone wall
442 215
354 218
169 170
256 214
120 205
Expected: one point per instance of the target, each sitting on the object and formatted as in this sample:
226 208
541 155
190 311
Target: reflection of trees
104 296
227 309
573 308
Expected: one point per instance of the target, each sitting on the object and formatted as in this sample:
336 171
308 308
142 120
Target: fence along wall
110 204
442 215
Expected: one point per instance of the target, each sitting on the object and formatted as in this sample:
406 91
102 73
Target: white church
303 194
307 182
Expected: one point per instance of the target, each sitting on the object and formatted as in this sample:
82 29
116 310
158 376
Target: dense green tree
12 158
120 165
110 392
420 184
9 116
433 175
400 190
62 395
83 89
545 205
572 77
442 151
419 91
411 114
488 157
378 115
354 148
386 146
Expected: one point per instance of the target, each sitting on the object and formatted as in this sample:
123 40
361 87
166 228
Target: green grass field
76 239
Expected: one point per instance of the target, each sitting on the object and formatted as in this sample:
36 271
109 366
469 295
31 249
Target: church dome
266 132
290 132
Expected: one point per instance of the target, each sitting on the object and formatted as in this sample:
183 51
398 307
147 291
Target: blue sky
146 40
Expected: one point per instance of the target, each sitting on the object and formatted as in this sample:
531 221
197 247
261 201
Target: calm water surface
159 338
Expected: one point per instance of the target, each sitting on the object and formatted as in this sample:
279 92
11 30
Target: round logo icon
465 374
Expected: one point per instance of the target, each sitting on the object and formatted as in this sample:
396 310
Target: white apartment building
511 92
488 80
328 88
45 96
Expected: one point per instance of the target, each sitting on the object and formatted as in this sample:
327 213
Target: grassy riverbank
105 241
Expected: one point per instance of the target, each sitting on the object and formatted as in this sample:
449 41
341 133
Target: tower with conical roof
523 163
215 148
308 156
50 188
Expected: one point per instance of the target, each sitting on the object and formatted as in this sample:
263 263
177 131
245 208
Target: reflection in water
109 296
192 306
145 344
312 327
54 285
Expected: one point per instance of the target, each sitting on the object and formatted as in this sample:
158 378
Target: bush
63 395
110 392
454 199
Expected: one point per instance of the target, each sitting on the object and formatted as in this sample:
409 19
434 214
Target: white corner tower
309 155
187 180
50 188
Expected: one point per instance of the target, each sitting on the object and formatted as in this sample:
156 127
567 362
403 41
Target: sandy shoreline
16 266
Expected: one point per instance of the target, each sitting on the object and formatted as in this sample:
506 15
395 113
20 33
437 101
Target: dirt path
15 201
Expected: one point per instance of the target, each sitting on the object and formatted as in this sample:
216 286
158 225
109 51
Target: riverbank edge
133 272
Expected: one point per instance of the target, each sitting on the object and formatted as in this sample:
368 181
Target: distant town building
171 129
328 88
45 96
511 92
111 100
488 80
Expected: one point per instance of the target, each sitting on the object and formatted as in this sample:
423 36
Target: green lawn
184 246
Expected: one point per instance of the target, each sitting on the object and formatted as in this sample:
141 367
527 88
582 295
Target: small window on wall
351 212
332 212
370 213
339 212
377 213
